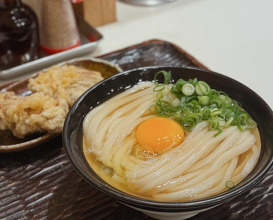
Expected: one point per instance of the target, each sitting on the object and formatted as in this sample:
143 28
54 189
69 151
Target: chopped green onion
167 76
213 93
229 184
188 89
214 124
203 100
215 112
192 101
180 83
159 93
175 102
202 88
193 81
228 122
159 87
252 123
205 113
190 121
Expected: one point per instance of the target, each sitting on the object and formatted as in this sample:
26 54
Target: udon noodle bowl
148 142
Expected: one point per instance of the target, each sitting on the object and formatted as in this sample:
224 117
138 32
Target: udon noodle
197 168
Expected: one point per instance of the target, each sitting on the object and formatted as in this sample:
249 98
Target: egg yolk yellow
159 134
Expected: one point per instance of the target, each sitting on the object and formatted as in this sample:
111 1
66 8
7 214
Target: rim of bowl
152 204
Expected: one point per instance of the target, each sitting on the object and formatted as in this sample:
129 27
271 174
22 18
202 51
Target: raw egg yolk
159 134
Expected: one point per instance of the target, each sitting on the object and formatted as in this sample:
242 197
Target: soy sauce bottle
19 38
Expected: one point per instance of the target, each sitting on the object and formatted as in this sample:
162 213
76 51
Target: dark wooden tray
40 183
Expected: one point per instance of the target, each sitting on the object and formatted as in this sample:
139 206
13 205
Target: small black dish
251 102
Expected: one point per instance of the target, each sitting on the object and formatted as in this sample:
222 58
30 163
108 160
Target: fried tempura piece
54 91
35 113
67 82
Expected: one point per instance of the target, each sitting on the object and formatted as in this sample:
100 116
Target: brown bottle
18 34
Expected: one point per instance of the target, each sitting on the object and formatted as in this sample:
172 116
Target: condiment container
19 37
58 26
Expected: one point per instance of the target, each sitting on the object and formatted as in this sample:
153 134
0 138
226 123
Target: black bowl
254 104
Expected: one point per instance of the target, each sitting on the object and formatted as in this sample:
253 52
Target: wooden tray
40 183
